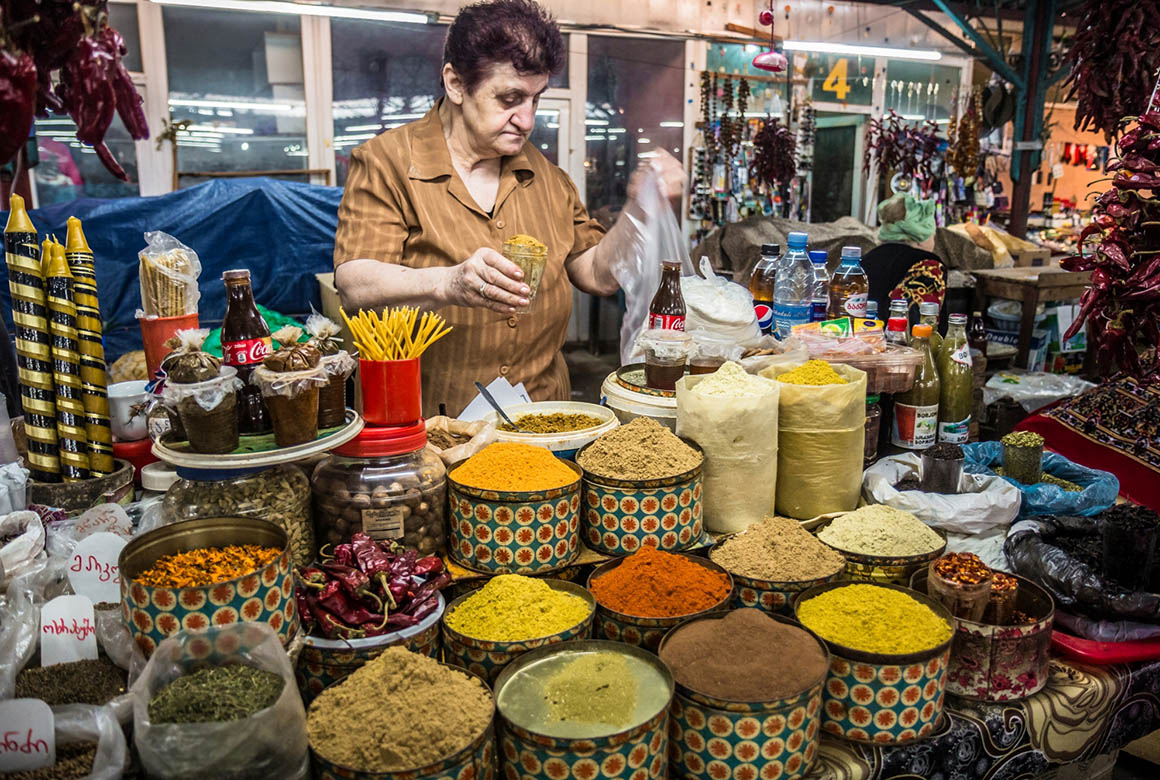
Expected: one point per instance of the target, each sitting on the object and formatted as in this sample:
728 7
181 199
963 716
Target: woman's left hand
670 172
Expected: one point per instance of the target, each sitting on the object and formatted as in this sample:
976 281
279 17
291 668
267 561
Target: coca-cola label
247 352
666 321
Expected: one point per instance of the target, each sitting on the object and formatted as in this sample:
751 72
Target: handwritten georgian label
27 735
67 631
92 569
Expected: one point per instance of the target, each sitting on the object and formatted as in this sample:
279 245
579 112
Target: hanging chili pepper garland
896 145
774 149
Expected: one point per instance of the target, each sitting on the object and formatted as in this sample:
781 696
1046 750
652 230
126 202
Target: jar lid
378 441
158 476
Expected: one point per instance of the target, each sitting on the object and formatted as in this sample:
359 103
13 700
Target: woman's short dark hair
500 31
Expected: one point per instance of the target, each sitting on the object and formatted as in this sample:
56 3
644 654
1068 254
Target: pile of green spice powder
215 694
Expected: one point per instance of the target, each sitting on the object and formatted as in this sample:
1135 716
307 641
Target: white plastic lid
157 477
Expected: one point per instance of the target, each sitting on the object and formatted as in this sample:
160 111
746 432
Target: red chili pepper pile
896 145
40 37
774 150
1123 300
367 588
1113 58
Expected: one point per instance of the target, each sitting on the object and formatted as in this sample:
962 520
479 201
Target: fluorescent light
643 141
403 116
302 9
595 138
616 130
826 47
221 129
239 105
552 125
596 122
362 128
672 124
356 137
54 121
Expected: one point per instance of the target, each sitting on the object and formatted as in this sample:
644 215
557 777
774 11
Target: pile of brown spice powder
777 549
640 449
400 711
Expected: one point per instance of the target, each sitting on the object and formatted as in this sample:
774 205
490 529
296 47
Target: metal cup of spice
1023 457
942 468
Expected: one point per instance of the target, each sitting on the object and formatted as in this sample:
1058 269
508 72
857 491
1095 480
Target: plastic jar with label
385 483
873 429
279 494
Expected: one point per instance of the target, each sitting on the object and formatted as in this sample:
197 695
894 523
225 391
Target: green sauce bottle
957 383
915 424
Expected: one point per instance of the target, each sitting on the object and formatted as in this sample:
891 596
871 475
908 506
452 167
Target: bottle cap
798 240
851 251
158 476
958 319
235 274
817 256
383 441
771 249
872 399
899 305
922 331
927 307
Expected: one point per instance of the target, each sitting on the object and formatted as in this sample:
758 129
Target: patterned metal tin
458 587
647 632
474 762
324 662
773 596
639 753
487 659
720 739
1001 663
881 699
153 613
886 569
500 532
622 515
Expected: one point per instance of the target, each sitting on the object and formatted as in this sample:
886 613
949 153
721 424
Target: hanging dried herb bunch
1113 58
894 144
1123 301
774 150
963 139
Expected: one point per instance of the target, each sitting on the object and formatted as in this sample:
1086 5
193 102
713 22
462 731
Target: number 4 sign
836 82
27 735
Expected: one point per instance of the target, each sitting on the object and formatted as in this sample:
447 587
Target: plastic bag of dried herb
1099 488
89 737
271 742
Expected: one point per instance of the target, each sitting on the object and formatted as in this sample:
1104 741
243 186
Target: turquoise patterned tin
487 658
719 739
772 596
884 699
514 532
473 583
474 762
324 662
636 753
647 632
266 596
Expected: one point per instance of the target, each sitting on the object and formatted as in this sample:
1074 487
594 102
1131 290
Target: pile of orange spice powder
655 584
207 566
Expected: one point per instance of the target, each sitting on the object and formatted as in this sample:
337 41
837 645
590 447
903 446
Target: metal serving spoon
487 396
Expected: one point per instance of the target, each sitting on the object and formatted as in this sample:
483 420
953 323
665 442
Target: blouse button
499 223
513 321
503 370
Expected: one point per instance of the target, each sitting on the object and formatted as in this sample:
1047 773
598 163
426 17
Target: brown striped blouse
404 203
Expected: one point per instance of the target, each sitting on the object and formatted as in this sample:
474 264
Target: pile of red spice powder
655 584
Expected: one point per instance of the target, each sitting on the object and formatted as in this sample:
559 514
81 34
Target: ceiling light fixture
305 9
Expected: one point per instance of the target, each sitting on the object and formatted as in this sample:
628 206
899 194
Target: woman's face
501 112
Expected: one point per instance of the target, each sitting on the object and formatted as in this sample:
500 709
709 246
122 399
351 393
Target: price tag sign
68 631
110 518
27 735
92 570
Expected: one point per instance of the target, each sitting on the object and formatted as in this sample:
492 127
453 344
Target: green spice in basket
511 608
874 619
641 449
214 694
880 530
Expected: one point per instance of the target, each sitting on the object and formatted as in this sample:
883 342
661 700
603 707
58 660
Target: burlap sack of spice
821 438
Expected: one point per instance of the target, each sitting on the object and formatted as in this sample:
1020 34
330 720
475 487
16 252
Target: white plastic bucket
628 405
563 445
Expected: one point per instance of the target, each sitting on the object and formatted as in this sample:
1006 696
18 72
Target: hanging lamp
772 60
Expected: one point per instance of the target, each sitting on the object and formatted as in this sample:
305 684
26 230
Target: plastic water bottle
821 299
849 289
794 291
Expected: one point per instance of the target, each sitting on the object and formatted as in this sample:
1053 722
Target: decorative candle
66 369
94 380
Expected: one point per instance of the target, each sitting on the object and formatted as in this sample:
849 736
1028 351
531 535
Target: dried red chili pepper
18 100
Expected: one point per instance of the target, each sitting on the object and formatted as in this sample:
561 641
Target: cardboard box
331 307
1036 354
1030 255
1059 318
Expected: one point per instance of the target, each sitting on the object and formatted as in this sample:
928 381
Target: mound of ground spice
514 467
651 583
777 549
206 566
640 449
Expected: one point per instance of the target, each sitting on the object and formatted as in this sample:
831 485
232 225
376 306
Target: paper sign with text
27 735
104 517
92 569
67 631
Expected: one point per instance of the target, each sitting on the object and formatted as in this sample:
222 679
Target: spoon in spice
487 396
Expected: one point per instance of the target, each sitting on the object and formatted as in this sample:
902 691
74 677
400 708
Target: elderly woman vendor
428 206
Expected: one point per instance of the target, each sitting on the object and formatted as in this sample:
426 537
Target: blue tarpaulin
282 231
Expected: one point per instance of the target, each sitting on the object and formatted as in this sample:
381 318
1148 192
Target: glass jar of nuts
385 483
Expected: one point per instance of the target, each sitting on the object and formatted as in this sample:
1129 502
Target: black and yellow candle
33 343
94 379
66 369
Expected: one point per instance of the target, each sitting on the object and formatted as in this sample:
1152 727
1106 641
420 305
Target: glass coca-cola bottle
245 344
667 310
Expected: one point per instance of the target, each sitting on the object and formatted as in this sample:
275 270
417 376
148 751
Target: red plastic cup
392 392
158 330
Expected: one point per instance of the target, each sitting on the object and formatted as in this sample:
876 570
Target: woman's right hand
489 280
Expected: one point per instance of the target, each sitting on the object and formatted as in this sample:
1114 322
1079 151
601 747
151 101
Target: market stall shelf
256 450
152 613
514 531
488 658
324 662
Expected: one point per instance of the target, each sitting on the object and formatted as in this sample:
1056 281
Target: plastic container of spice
564 444
665 354
385 483
873 429
280 495
962 582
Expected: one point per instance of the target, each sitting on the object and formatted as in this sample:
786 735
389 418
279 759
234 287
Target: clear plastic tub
964 595
891 371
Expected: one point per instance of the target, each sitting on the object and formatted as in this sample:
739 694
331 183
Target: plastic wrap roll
94 379
33 344
66 370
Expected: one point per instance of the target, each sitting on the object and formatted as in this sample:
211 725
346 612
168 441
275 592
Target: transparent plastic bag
719 306
288 384
13 486
19 633
168 272
651 235
821 438
1100 488
207 394
739 437
482 434
271 743
86 723
1033 389
26 549
771 351
984 503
